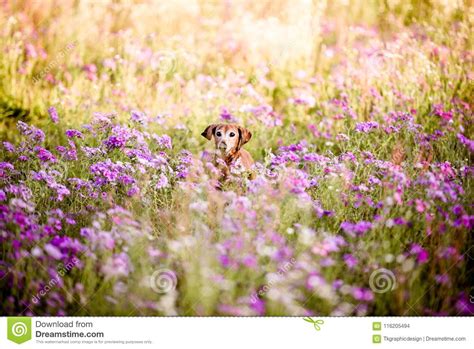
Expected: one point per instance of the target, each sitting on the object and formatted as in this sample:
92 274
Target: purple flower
421 254
362 294
115 142
119 138
438 110
224 260
133 190
366 127
116 266
9 147
442 279
297 182
337 284
469 144
53 251
60 149
138 117
53 114
354 229
258 305
400 221
164 141
162 182
350 261
73 133
464 305
45 155
34 134
226 115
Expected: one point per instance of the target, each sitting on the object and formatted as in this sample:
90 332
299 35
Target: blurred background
89 56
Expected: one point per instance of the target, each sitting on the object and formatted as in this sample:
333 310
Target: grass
306 74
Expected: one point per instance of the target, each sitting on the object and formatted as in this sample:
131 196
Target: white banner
237 332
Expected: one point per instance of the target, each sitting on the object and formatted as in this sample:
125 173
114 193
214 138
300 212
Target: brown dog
229 139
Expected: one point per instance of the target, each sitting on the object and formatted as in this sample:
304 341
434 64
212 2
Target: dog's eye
232 134
218 134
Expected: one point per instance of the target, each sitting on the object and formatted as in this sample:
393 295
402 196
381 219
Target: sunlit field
361 198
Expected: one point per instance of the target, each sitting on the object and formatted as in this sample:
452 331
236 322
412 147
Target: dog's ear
244 136
209 131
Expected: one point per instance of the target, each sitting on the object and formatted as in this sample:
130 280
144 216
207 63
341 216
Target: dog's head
227 137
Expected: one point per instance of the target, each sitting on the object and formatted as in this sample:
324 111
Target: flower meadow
361 199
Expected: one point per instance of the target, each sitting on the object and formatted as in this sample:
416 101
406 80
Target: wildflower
469 144
350 260
9 147
53 114
138 117
45 155
53 251
117 265
73 133
226 115
438 110
421 254
362 294
258 305
250 261
162 182
34 134
341 137
164 141
354 229
366 127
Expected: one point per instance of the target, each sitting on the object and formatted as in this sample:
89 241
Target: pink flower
420 205
421 254
249 261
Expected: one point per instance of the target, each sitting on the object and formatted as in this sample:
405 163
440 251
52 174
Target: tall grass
361 114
